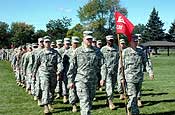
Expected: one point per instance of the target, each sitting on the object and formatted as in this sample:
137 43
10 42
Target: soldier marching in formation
73 71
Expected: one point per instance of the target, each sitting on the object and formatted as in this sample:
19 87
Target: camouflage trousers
132 91
48 85
119 86
86 93
110 85
73 96
28 80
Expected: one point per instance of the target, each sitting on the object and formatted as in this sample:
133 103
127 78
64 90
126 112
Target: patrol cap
66 40
85 33
88 37
29 46
139 36
75 39
47 37
59 41
40 39
47 40
99 42
34 44
52 43
134 38
94 39
122 41
109 37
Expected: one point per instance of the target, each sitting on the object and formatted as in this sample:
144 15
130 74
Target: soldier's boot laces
65 100
46 109
139 103
111 105
74 108
50 107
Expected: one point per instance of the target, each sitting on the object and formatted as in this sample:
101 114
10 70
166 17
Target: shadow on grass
162 113
154 94
100 106
147 89
149 103
61 109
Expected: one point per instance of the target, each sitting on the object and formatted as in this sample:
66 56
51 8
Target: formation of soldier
73 71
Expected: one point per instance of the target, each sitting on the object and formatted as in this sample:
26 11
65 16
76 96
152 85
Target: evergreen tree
154 28
172 32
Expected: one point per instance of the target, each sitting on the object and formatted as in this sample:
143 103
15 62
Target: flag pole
122 70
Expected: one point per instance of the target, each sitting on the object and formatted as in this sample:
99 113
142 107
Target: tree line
96 15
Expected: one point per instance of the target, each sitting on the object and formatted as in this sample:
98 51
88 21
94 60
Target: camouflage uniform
47 64
133 61
82 72
35 86
28 70
109 69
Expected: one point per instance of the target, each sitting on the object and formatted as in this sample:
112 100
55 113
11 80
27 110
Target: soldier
148 67
134 60
65 57
94 42
120 89
35 86
99 44
53 45
59 81
109 68
72 91
82 74
28 69
49 64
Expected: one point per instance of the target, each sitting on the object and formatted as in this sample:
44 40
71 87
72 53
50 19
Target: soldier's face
94 43
47 44
74 45
41 43
88 41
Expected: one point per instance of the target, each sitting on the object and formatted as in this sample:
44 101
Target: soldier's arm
72 70
36 66
148 66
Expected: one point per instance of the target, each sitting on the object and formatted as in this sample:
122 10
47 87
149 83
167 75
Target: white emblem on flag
120 19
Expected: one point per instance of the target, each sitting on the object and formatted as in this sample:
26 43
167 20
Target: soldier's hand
102 82
152 77
71 85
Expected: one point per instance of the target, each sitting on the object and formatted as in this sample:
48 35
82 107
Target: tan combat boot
58 96
129 111
46 109
65 99
122 97
39 102
50 107
139 103
35 98
111 105
74 108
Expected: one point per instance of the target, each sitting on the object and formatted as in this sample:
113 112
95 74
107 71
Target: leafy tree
58 28
38 34
4 34
77 30
154 28
21 33
171 35
98 16
139 29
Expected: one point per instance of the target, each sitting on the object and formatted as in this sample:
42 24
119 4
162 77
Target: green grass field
158 95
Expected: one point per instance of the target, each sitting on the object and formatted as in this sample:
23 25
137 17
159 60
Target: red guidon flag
123 25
